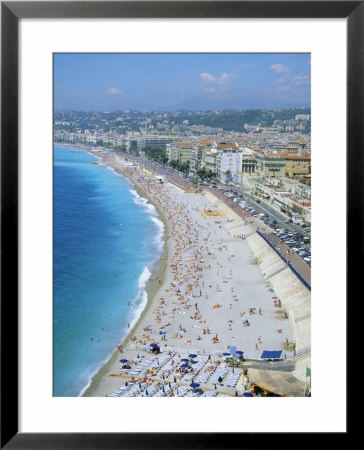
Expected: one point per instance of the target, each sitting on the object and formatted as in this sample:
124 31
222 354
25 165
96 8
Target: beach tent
272 355
232 349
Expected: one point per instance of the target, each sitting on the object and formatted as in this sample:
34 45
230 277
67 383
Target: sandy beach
206 294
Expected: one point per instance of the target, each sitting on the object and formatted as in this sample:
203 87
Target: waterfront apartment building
210 160
228 162
296 165
180 151
154 141
270 166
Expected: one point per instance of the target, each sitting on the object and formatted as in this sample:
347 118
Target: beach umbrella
153 345
192 355
248 394
127 367
123 360
226 354
239 352
184 359
194 385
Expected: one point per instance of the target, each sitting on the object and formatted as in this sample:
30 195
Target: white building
228 162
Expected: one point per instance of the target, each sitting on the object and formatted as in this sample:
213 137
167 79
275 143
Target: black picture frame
11 12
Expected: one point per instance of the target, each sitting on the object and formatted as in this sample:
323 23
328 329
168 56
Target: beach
206 295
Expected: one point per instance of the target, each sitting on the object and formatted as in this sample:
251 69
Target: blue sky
176 81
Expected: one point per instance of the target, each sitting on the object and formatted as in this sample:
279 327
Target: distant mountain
209 104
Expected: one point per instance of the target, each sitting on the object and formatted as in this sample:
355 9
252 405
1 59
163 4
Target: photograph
182 224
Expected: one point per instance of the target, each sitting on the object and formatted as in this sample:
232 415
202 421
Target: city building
180 151
228 161
296 165
154 141
270 166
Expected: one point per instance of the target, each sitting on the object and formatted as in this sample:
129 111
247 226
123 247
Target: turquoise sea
106 239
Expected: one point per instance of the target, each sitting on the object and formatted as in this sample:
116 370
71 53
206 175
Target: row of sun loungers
209 394
169 367
197 368
205 375
133 392
158 363
121 390
219 372
166 391
233 378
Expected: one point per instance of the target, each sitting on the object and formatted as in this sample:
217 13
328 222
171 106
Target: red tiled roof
296 156
227 145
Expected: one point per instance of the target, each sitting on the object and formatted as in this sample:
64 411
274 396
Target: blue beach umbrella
194 385
184 359
226 354
192 355
123 360
248 394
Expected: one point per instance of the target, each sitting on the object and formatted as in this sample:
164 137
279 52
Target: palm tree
228 175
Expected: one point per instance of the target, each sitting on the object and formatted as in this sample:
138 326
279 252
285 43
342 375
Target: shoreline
158 270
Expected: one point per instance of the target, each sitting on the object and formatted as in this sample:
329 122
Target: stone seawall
295 297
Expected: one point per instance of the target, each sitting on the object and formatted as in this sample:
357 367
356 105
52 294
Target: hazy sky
191 81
